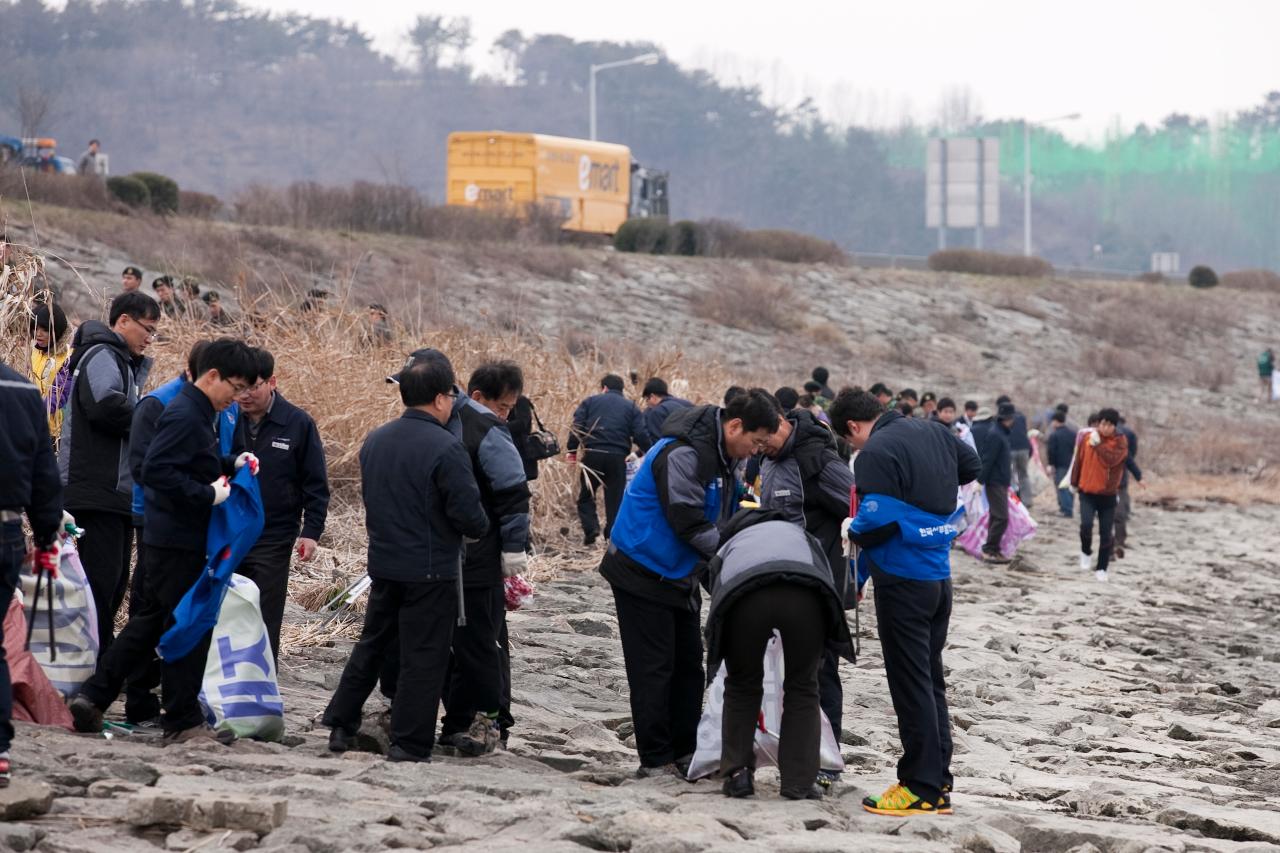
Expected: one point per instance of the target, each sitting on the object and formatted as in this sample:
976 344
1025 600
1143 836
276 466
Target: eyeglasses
238 387
150 329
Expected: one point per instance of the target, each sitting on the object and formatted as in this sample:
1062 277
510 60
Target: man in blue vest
908 471
668 528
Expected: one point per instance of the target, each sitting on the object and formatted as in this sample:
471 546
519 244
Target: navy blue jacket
420 499
30 482
1018 438
992 441
182 462
292 476
655 417
919 462
1130 461
1062 446
609 422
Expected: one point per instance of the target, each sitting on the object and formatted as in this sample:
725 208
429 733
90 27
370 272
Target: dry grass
743 297
1264 280
977 262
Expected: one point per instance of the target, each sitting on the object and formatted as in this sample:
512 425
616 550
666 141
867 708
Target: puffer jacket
51 372
1099 469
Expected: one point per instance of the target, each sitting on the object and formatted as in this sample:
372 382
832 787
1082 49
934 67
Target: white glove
1095 438
844 528
69 525
249 459
221 490
514 563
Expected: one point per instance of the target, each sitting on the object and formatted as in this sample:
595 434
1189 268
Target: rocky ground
1140 715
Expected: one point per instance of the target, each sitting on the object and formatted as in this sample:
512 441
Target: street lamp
642 59
1026 176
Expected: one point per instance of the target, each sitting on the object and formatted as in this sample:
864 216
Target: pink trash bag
1021 527
519 592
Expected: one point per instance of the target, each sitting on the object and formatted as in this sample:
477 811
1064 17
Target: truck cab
648 192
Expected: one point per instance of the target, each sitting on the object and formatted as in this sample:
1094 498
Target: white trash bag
240 693
75 623
706 760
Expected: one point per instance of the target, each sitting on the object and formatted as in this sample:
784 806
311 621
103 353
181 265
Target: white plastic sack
1275 386
75 623
240 693
706 760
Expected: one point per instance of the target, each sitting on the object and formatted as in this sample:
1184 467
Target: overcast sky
1113 61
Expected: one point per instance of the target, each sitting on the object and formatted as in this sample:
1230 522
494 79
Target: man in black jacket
294 482
183 478
1061 447
30 485
1124 505
605 426
478 699
991 438
420 499
108 371
1019 451
660 404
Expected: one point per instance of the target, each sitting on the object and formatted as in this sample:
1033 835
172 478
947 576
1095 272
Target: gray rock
158 810
24 799
1179 732
188 839
592 625
207 812
105 789
19 837
1222 821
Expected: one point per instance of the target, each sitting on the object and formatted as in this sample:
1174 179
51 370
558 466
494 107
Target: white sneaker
1101 576
1085 561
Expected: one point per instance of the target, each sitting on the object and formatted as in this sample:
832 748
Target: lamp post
642 59
1026 176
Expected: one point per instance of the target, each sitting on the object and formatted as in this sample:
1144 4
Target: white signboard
962 178
1165 262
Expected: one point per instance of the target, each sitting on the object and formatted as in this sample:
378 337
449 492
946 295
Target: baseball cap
427 355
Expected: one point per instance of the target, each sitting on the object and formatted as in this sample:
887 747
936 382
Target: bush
1152 278
1252 280
81 191
688 238
1202 277
743 297
199 205
130 190
164 191
647 236
979 262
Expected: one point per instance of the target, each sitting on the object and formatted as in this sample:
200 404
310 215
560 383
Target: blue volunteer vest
226 429
641 530
920 549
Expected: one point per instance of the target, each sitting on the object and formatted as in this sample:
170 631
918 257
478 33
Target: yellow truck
593 186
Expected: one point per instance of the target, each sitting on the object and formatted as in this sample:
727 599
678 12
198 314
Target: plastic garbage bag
75 623
240 693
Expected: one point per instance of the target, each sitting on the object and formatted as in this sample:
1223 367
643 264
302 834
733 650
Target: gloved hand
844 529
221 490
69 524
514 563
1095 438
249 459
47 559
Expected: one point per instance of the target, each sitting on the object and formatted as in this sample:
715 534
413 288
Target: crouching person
420 500
769 575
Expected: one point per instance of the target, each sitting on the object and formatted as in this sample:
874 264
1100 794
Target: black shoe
815 792
86 716
589 539
396 753
340 741
740 784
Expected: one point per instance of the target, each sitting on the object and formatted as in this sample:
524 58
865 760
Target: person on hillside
1124 506
821 375
788 398
909 396
814 389
1020 451
1061 447
421 500
605 426
769 575
108 367
667 529
928 405
219 316
1266 372
50 368
294 481
882 394
380 333
477 698
909 472
804 479
130 279
991 438
317 301
184 476
189 296
1098 470
659 404
30 486
94 161
970 411
170 304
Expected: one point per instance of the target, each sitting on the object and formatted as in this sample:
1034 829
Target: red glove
47 560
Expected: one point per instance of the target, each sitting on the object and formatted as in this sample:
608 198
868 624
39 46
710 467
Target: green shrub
198 205
1152 278
164 191
646 236
1202 276
688 238
130 190
979 262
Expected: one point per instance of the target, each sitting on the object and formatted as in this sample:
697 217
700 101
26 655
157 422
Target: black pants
998 521
662 650
105 550
913 617
1066 498
1124 508
419 619
169 573
140 700
505 720
1104 507
13 548
798 614
596 469
267 565
475 666
831 691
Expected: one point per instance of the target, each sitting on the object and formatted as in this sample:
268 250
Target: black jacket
916 461
94 451
420 499
30 482
992 441
292 475
181 464
504 491
609 423
657 416
1061 447
520 425
1130 461
1018 438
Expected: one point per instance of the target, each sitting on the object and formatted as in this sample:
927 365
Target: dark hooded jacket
761 549
504 491
93 456
655 417
608 423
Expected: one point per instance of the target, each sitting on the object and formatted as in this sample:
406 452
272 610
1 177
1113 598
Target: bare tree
958 109
34 105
